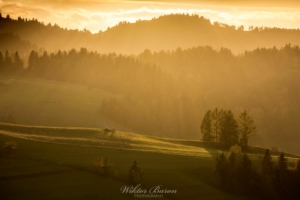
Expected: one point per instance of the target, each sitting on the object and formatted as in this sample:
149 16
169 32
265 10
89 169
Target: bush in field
9 147
135 173
103 166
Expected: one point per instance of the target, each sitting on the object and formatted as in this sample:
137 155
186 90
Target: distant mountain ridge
163 33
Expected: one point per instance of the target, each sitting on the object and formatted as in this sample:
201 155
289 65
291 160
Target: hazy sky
96 15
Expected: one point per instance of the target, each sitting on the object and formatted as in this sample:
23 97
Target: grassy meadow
38 166
57 163
56 149
51 103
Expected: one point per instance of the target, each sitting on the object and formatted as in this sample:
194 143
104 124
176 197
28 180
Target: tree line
156 34
12 42
11 62
178 87
269 180
145 91
221 126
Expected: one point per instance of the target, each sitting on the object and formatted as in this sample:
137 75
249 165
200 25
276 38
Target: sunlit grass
117 140
46 154
100 138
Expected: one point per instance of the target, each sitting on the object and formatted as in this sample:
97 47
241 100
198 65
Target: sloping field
50 103
57 163
104 138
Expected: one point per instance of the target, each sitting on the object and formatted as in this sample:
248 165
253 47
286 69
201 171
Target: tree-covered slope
162 33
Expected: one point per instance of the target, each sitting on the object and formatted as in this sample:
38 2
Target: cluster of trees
265 82
221 126
270 180
11 62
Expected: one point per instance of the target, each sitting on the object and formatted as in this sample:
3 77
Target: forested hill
167 93
11 42
163 33
172 31
49 37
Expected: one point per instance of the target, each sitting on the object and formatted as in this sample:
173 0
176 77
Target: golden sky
96 15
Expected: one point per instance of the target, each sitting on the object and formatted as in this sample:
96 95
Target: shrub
9 147
103 166
135 173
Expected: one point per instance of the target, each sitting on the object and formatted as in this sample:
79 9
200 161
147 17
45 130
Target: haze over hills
162 94
199 110
165 93
163 33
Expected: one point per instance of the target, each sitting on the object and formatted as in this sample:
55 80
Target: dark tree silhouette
18 63
282 181
282 162
267 164
33 59
245 175
216 117
246 127
135 173
7 61
229 129
268 176
206 127
222 169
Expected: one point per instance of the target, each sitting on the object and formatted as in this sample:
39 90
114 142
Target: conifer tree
282 163
229 129
18 62
268 174
135 173
206 127
245 173
222 169
7 60
216 116
281 179
246 127
32 61
267 164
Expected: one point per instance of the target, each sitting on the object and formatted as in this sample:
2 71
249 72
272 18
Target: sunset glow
99 15
149 99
